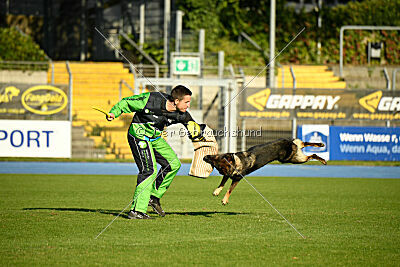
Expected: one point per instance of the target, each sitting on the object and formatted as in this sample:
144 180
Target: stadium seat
308 77
97 85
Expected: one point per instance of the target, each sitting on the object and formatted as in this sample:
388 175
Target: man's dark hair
179 92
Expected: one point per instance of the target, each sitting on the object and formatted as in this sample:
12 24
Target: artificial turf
54 220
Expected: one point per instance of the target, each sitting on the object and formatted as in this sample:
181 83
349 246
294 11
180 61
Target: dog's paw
217 191
224 201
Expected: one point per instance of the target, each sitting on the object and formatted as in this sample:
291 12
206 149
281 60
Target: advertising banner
365 143
24 101
30 138
315 133
321 104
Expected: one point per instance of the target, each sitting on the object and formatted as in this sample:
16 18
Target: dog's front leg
221 185
313 144
314 156
229 192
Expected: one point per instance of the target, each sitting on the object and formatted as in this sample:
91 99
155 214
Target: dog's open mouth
208 159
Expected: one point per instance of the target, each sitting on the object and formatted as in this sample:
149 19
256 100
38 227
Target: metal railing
386 74
147 56
70 89
294 120
24 65
394 78
293 77
123 82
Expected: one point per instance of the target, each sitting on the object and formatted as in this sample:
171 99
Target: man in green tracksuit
154 111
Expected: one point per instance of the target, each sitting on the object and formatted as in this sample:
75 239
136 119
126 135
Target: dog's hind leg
314 156
221 185
229 192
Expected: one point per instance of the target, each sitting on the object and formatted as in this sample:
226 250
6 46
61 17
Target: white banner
29 138
316 133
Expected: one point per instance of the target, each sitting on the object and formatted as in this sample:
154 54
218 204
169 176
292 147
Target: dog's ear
228 164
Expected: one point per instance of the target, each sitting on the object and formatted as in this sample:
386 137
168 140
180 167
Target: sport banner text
320 104
30 138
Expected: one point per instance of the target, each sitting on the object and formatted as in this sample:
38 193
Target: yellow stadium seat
97 84
308 77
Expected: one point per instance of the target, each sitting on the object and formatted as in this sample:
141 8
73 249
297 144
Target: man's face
184 104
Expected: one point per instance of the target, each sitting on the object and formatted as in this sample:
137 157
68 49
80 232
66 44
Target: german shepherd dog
237 165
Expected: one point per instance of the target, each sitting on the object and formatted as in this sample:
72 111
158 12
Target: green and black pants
147 153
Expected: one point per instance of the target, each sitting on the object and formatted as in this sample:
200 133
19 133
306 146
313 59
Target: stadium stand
97 85
318 76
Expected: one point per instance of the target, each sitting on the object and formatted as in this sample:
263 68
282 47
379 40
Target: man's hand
110 116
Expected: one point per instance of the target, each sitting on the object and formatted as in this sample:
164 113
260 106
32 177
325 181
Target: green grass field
54 219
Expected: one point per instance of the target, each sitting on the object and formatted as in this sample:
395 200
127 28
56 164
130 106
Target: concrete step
123 150
83 143
100 77
106 124
84 147
339 85
110 156
77 131
125 156
98 140
89 153
309 79
308 68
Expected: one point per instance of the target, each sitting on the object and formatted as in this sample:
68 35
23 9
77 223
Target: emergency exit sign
186 66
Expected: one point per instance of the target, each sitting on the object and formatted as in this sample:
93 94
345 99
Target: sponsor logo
8 94
265 100
44 99
259 100
375 102
142 144
316 137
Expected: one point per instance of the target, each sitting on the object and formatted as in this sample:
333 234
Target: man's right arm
129 104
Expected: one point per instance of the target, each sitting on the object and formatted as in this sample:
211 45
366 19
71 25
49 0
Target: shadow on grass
204 213
108 212
123 215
